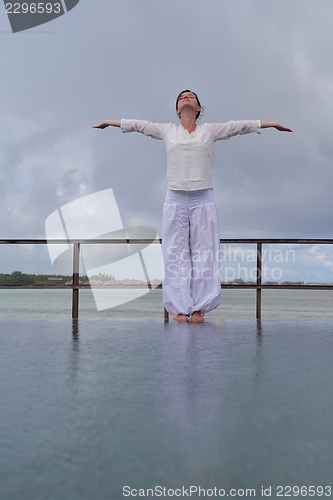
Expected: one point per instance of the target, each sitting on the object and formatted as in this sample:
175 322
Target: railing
258 286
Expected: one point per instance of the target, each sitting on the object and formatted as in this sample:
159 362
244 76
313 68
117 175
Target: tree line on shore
19 278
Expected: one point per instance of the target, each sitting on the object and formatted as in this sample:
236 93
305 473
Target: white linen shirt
190 156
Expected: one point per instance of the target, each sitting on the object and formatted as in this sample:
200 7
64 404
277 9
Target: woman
190 239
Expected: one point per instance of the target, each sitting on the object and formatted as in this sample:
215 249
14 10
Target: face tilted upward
190 99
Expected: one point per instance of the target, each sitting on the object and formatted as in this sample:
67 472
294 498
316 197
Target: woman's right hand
108 123
102 125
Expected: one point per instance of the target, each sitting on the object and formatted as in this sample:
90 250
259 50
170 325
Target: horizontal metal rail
135 241
255 241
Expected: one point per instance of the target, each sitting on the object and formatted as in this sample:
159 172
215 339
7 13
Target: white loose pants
191 250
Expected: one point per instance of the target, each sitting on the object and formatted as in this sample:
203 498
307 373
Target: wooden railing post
76 270
259 270
166 316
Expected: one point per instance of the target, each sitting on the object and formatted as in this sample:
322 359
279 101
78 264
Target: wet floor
230 404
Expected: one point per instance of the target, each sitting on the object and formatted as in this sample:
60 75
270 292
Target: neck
187 119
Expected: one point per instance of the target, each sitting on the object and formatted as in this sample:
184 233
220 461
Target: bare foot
197 318
180 317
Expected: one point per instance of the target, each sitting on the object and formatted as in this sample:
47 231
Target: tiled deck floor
227 404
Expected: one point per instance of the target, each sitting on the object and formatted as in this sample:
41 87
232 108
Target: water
47 303
90 407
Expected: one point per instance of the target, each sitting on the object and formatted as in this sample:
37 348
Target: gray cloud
130 59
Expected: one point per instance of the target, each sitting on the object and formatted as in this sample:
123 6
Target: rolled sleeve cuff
258 127
126 125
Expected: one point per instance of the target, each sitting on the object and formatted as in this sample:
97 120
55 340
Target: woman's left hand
281 128
275 125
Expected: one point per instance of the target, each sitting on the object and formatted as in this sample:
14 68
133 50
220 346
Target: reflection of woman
190 240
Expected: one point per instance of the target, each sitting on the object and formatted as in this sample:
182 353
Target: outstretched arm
108 123
276 125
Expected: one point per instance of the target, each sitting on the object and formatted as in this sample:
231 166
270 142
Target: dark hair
198 113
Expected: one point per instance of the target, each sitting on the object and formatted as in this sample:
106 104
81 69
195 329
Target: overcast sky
110 59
